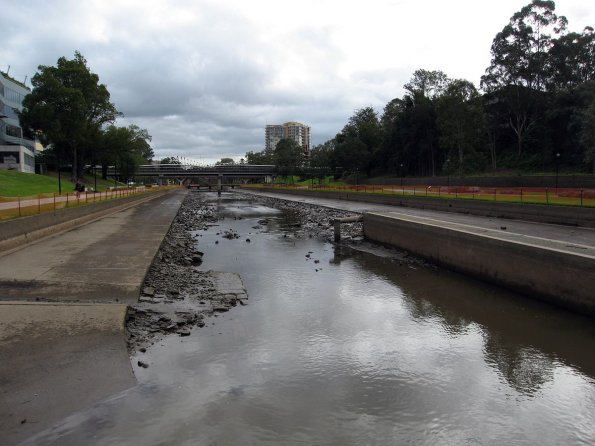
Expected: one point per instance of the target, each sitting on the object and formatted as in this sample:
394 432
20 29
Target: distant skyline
205 77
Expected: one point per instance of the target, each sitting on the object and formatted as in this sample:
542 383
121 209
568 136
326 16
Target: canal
343 346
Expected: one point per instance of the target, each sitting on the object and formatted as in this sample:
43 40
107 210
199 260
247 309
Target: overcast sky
204 77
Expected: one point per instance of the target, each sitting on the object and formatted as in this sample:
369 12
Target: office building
16 151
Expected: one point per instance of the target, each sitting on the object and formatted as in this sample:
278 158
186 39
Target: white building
16 152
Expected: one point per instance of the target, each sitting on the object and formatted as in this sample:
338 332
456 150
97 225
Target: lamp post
557 165
401 173
58 167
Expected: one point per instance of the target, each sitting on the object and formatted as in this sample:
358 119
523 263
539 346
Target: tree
587 135
519 69
571 59
322 155
359 141
520 50
428 84
170 160
461 122
68 106
259 158
289 155
125 148
224 161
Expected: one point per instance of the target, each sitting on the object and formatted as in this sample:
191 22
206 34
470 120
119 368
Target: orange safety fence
530 195
12 207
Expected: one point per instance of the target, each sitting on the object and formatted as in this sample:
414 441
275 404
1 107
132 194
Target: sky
205 77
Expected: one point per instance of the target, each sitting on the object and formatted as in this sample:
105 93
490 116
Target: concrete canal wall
553 271
562 215
19 231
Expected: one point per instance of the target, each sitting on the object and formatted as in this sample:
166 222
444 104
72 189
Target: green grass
18 184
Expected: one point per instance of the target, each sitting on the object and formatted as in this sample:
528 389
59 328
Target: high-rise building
16 151
297 131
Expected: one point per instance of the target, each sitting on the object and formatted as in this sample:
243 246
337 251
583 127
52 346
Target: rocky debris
176 295
230 234
309 220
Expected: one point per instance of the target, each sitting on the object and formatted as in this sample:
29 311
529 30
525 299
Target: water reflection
523 339
355 349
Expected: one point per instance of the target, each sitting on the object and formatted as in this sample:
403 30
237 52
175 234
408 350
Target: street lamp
401 173
557 165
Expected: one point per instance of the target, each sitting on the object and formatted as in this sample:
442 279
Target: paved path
103 261
561 235
64 354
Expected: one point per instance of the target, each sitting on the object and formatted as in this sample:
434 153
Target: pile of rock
176 294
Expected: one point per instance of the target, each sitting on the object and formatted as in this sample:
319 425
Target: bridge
193 175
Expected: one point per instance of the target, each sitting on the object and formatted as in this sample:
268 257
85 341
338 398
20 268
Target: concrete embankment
562 215
19 231
554 263
558 272
70 351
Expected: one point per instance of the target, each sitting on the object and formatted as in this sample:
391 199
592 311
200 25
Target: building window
12 130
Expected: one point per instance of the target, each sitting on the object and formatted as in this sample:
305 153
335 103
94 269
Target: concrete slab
102 261
55 359
556 271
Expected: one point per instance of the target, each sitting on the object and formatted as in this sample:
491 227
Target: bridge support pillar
219 186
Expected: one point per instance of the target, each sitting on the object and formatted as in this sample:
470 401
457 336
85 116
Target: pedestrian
78 187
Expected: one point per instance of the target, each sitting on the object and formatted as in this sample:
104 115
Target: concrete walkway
549 262
62 314
544 231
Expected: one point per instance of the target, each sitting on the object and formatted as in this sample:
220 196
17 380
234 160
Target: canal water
344 347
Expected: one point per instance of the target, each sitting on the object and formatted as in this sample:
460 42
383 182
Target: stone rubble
177 295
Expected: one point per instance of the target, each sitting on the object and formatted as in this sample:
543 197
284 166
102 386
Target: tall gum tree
519 65
68 106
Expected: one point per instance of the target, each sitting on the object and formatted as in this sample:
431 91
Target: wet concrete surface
62 339
349 344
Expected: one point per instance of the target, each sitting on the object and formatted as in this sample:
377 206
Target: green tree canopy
288 156
125 148
68 106
170 160
461 124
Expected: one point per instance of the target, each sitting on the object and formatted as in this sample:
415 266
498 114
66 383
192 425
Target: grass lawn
19 184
